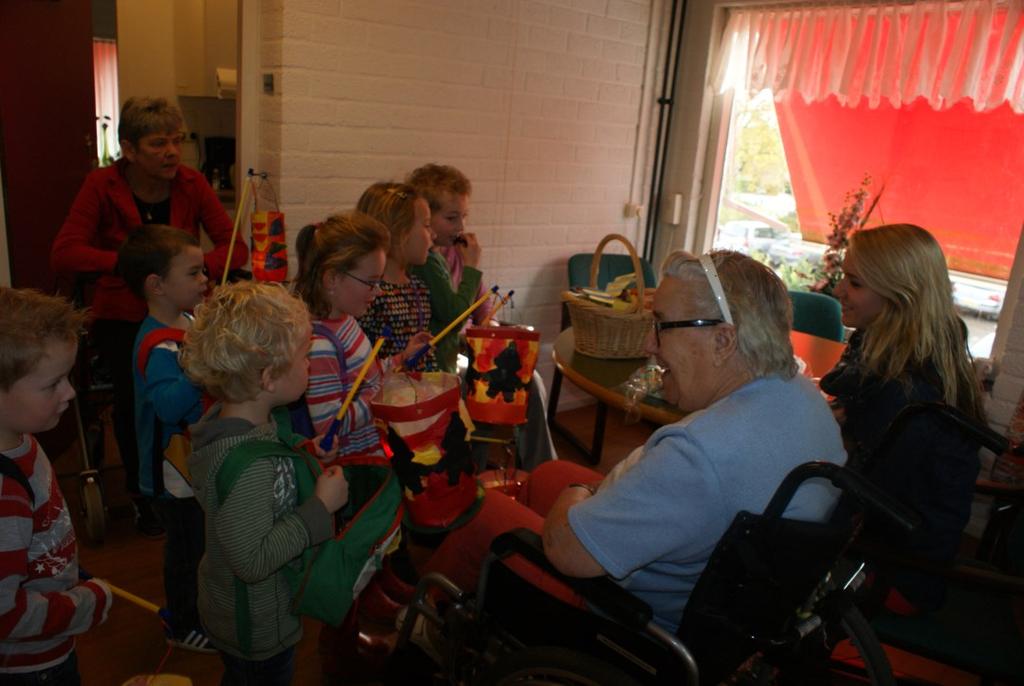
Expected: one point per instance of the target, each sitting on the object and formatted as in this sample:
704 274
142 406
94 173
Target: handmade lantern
501 364
427 428
269 250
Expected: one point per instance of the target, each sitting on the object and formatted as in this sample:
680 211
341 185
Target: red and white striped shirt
42 602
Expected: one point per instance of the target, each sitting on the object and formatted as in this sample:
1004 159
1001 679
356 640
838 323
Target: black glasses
372 284
682 324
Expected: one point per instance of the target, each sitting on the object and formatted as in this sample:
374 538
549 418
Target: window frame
697 152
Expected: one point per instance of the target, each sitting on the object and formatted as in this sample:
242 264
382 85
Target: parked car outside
793 251
749 236
977 297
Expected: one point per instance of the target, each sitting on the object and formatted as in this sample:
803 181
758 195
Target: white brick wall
538 102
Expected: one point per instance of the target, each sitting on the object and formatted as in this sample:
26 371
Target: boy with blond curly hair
248 348
43 605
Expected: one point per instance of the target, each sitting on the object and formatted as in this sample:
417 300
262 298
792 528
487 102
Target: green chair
817 314
610 267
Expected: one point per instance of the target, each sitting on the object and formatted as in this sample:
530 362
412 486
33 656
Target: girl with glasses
341 263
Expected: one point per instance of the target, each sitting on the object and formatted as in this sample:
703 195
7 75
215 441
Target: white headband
708 265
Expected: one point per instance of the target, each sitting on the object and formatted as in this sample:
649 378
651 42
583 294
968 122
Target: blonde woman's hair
242 329
29 319
761 310
333 247
393 205
142 116
918 325
433 181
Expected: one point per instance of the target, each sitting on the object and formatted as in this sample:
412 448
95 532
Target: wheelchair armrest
601 592
960 572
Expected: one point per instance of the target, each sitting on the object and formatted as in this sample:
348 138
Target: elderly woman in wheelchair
722 330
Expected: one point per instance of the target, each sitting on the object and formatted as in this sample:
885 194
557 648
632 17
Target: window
928 100
104 64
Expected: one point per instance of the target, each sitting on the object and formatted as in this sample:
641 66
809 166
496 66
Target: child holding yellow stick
403 304
452 271
455 279
343 261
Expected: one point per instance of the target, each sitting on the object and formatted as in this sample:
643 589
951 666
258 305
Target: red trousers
463 551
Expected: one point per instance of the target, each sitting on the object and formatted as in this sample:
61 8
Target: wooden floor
131 642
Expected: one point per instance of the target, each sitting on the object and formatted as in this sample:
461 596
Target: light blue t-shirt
654 524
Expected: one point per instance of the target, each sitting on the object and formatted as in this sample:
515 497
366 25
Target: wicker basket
605 333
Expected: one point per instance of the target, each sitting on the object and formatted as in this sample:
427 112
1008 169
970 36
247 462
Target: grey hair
761 309
141 116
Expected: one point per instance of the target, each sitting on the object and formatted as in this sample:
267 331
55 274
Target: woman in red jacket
147 186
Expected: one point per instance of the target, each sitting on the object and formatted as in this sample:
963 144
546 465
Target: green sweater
447 303
259 529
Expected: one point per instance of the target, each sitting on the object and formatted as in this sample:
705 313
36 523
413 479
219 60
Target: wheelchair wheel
546 666
862 637
844 644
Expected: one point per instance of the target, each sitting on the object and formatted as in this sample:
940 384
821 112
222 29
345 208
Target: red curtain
957 172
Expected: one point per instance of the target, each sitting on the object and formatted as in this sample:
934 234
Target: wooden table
603 379
820 354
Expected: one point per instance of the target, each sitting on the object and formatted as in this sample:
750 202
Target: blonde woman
403 301
909 347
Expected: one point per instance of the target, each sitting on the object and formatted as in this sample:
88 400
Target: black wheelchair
770 607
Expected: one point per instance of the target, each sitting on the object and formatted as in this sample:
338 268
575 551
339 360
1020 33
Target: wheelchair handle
869 495
602 592
980 433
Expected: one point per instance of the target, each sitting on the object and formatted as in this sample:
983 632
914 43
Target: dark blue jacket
929 465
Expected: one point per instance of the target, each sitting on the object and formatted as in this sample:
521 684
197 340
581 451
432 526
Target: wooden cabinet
205 38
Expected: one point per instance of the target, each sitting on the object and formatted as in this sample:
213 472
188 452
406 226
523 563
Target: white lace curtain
941 51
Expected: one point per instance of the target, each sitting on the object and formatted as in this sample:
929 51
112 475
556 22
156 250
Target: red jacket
103 214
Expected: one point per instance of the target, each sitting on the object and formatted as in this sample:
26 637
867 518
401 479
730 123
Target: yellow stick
501 304
132 598
359 378
488 439
328 439
239 211
462 317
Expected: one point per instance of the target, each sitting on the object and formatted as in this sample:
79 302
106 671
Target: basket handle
595 266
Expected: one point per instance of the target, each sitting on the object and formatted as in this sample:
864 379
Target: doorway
192 63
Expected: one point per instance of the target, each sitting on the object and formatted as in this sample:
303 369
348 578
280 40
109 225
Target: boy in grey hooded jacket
248 348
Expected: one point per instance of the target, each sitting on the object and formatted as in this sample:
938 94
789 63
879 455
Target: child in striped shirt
342 262
43 605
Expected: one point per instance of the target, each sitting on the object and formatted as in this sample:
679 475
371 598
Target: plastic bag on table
645 381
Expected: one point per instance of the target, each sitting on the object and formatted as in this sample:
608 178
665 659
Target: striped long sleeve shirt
42 603
329 384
